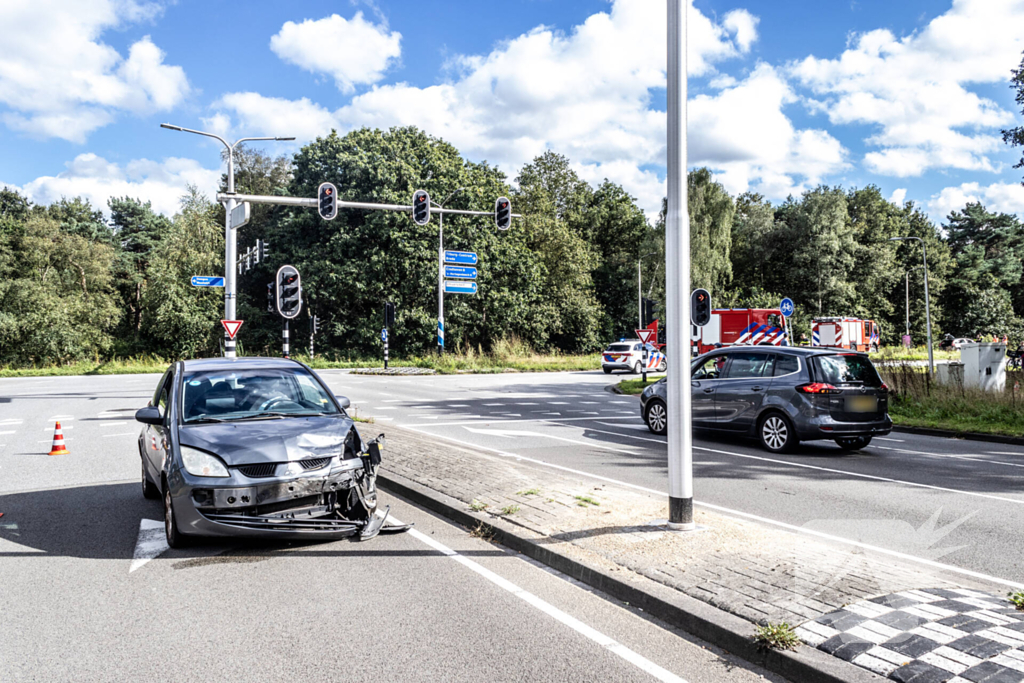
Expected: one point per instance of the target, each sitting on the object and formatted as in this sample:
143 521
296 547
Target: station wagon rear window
846 369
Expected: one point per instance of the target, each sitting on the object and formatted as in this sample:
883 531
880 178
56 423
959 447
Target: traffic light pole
677 281
285 346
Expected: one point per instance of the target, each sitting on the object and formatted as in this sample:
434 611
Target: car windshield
220 395
620 347
846 369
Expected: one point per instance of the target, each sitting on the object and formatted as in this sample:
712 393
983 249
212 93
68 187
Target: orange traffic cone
58 443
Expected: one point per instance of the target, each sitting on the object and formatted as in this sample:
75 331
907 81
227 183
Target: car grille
314 463
258 471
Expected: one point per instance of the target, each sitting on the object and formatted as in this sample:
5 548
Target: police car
628 354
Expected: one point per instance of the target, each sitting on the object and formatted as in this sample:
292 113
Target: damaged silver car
257 447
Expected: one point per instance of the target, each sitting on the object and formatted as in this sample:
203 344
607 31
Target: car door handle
755 388
709 390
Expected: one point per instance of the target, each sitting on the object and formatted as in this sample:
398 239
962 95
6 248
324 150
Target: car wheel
149 490
656 416
636 368
607 371
853 443
175 539
663 367
776 433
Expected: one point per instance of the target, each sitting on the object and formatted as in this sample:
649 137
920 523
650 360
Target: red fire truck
846 333
742 326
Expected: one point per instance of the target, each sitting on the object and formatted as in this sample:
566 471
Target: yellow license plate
861 404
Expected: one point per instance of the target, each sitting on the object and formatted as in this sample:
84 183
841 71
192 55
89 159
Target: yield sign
232 327
646 335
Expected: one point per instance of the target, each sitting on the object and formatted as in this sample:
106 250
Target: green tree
78 217
711 215
756 248
137 230
1015 136
183 321
57 302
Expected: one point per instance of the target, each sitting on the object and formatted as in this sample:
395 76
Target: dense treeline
74 285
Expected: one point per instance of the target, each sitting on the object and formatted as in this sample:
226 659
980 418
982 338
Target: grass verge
636 386
115 366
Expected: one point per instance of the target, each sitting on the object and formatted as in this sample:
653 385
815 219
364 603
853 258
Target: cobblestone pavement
757 572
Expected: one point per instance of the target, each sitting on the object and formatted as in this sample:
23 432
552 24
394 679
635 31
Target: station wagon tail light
818 388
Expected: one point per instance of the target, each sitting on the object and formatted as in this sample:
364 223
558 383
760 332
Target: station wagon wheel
656 416
776 433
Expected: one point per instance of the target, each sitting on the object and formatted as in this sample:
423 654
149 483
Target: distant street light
230 236
908 296
927 306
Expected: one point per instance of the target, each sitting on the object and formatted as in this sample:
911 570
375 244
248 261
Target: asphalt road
90 593
955 502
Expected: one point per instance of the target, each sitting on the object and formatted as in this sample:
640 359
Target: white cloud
914 89
96 179
352 51
58 79
587 94
899 195
1001 197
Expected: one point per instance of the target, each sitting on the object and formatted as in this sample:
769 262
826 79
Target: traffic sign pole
285 347
440 285
677 281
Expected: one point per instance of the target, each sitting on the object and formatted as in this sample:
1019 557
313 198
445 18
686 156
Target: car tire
656 416
607 371
149 489
175 539
853 443
776 433
663 366
636 368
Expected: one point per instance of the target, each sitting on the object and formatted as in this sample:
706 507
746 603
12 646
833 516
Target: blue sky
784 94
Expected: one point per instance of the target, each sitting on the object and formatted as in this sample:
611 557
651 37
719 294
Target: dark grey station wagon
782 396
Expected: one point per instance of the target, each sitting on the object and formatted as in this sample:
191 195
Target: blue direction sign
207 281
459 287
467 258
463 272
787 307
384 334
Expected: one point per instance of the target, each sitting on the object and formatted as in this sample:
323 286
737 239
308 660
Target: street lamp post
927 306
440 272
230 235
677 280
907 310
640 290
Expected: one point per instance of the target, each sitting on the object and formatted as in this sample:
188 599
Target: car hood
258 441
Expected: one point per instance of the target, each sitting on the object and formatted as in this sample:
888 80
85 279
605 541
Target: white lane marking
116 423
588 403
457 405
527 404
385 408
529 419
1003 453
11 422
61 417
883 438
383 419
547 608
119 434
8 432
512 434
967 456
640 428
394 400
739 513
490 405
152 542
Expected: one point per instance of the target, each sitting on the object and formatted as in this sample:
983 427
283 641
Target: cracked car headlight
202 464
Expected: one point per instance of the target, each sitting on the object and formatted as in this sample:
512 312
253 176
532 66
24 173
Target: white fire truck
855 334
741 326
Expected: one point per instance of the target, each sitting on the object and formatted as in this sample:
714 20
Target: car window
246 393
747 365
651 348
785 365
637 347
846 369
619 347
711 368
159 388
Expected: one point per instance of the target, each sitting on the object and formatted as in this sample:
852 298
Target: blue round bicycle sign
787 307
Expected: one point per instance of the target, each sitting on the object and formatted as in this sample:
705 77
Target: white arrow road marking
152 542
575 624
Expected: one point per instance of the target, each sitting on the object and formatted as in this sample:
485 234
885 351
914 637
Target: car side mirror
149 415
343 400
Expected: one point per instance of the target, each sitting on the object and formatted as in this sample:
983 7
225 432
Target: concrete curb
951 434
726 631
